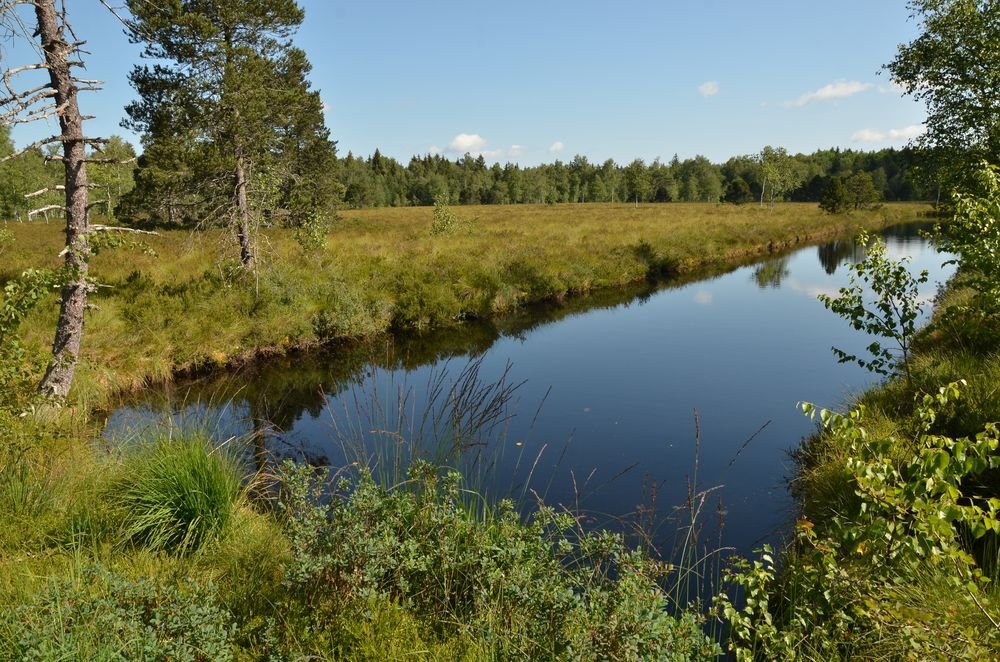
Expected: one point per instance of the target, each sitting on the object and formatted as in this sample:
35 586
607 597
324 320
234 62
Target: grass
175 492
188 308
152 552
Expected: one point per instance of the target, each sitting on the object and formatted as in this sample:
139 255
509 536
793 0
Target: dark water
609 391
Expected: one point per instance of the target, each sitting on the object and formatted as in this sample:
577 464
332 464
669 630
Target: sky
535 81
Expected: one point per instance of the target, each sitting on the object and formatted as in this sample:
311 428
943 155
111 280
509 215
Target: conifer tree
226 113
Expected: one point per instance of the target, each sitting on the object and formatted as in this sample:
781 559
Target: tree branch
44 209
47 189
15 96
118 228
34 145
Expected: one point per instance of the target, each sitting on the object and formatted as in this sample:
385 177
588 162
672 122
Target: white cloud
473 143
326 107
709 88
836 90
556 147
892 135
703 298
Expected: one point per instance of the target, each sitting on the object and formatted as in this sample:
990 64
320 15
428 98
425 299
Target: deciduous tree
952 66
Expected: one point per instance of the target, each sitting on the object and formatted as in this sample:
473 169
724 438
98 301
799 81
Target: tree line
766 177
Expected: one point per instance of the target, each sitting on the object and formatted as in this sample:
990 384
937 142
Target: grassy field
179 302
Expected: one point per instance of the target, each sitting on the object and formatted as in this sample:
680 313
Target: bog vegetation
171 547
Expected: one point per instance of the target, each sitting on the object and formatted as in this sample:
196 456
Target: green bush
351 312
891 577
102 616
539 589
890 311
175 493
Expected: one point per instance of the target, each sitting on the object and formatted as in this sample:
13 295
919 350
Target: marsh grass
456 419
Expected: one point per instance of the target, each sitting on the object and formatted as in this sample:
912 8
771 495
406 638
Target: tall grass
458 421
175 492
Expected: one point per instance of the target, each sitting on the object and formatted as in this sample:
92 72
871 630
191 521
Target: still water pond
609 389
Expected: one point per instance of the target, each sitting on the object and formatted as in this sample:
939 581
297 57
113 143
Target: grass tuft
176 493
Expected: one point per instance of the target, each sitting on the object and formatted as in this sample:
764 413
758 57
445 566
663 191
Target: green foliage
104 616
540 589
445 221
973 234
844 592
6 239
835 199
350 313
855 192
951 67
738 192
19 368
861 191
111 174
892 314
311 231
175 493
780 174
228 110
381 181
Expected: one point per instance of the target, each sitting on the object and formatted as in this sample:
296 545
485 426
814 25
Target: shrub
444 220
103 616
891 313
175 493
526 590
974 235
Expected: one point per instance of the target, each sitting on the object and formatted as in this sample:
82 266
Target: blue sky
535 81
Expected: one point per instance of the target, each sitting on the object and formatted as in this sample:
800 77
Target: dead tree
37 99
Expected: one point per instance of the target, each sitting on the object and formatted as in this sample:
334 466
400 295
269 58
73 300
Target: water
648 392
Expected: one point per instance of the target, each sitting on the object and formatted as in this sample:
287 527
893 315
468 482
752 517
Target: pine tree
227 112
835 198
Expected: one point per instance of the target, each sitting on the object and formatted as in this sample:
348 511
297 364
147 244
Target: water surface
632 386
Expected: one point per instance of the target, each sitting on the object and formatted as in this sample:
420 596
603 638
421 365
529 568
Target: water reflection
838 252
620 374
770 273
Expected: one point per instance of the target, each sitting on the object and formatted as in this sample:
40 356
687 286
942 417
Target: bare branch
47 189
42 210
17 96
7 75
34 145
124 21
37 114
24 103
118 228
110 161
